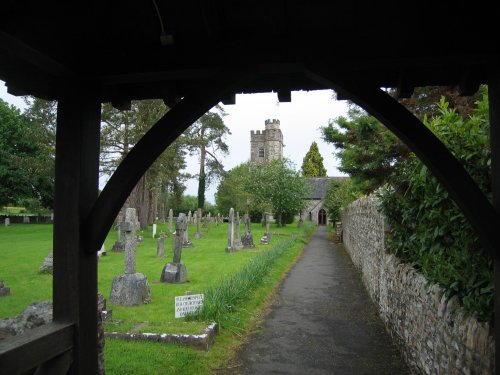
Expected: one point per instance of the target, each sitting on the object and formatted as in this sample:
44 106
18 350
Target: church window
261 152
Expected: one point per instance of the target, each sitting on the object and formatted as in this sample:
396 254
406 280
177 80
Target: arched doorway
322 217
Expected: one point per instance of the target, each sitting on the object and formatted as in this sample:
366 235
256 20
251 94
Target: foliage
428 229
278 187
338 196
312 165
120 131
367 150
26 163
231 191
206 137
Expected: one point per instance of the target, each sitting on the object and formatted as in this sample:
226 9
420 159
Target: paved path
323 323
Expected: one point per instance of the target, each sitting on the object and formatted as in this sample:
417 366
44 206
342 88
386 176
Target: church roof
319 186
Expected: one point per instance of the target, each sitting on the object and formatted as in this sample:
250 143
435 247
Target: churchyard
208 263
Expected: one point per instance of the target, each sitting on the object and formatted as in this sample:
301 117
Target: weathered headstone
247 238
119 245
48 264
237 240
175 272
4 291
170 220
7 222
186 242
26 219
189 218
230 232
160 246
198 221
154 230
130 288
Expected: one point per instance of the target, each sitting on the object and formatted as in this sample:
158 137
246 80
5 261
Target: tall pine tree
312 166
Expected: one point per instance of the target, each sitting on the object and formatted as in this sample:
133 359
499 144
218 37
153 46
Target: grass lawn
23 248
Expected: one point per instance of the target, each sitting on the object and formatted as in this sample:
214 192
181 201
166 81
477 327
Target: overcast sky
300 122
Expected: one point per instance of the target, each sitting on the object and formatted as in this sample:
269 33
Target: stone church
267 145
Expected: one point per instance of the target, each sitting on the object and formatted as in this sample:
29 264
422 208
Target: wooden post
76 190
494 103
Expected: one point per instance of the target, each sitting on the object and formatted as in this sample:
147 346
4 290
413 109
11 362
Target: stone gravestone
160 246
237 240
4 291
26 219
48 264
154 230
119 246
130 288
266 238
189 218
185 241
247 238
170 220
7 222
230 232
198 221
175 272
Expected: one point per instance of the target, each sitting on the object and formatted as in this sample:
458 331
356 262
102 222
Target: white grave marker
154 230
188 304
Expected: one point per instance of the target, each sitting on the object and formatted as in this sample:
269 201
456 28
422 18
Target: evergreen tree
312 166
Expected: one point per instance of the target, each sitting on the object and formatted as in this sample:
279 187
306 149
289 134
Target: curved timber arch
145 152
433 153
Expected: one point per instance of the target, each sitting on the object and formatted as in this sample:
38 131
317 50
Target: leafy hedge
428 229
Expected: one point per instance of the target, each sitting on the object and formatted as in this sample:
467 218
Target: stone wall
434 336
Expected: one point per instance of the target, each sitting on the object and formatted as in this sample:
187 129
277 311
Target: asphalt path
323 322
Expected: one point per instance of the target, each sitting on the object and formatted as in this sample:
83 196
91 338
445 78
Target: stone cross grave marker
130 288
175 272
198 221
266 238
230 232
237 240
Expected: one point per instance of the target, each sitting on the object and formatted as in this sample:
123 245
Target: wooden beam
35 347
433 153
76 190
145 152
27 54
494 113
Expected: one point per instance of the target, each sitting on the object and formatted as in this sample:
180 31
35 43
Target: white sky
300 122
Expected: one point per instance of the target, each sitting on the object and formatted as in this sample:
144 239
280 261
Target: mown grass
23 248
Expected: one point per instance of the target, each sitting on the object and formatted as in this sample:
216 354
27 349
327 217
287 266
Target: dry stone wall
434 336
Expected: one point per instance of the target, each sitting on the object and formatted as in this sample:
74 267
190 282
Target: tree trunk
201 180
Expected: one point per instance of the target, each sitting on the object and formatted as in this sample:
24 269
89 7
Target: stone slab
174 273
130 290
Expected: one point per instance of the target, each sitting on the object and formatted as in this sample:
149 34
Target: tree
277 186
312 166
367 150
120 131
206 137
231 191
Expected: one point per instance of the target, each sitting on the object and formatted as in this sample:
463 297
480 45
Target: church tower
266 145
